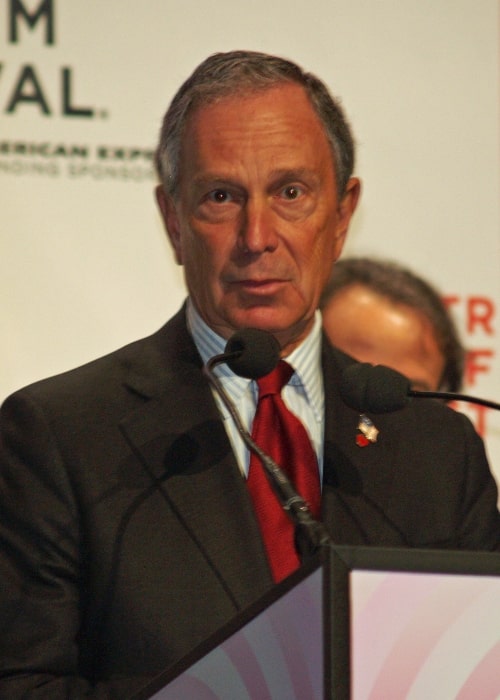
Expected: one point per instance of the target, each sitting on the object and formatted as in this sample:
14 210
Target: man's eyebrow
283 174
276 178
214 179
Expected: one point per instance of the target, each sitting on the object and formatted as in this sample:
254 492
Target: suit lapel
357 481
181 441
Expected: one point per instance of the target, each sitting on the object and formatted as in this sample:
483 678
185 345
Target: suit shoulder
108 374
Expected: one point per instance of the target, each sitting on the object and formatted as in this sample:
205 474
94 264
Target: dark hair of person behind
402 286
238 73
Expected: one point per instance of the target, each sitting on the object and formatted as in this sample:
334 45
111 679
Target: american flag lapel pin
367 432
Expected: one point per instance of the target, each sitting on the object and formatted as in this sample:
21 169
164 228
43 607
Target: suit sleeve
42 579
479 524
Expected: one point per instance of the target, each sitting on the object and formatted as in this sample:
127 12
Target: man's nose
258 231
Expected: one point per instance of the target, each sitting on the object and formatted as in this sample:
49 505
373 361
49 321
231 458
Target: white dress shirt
304 393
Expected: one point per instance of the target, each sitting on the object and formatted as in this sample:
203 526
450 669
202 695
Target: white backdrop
85 266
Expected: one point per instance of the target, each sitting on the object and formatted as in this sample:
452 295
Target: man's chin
286 328
264 319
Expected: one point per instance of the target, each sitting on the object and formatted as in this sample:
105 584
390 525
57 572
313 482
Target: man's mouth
260 286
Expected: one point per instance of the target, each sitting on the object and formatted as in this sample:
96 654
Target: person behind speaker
127 532
382 312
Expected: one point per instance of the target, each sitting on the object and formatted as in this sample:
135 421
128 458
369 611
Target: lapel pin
367 432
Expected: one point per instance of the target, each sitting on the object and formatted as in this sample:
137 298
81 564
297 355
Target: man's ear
349 201
170 218
346 209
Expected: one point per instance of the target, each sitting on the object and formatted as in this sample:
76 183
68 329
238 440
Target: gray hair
242 72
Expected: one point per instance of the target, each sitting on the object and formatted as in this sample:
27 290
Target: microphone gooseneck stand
310 534
453 396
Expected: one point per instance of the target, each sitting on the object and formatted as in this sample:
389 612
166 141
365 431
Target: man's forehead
295 92
280 115
273 129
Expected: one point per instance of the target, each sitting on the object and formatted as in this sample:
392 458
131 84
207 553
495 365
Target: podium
357 623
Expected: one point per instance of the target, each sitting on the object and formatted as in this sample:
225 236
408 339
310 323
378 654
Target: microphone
253 353
379 389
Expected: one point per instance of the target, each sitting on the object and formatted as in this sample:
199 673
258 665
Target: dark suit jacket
127 535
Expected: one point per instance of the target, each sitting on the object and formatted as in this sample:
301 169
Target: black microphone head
374 388
259 352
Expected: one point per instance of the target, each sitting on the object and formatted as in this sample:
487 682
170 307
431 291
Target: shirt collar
306 361
210 344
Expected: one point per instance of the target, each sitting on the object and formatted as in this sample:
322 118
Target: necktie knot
274 382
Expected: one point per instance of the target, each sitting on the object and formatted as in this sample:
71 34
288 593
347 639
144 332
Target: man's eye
291 192
219 196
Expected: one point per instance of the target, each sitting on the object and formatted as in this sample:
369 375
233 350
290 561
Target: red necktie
282 436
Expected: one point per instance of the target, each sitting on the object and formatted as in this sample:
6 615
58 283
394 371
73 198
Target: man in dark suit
127 533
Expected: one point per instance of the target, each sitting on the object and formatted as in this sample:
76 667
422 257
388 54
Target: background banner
85 265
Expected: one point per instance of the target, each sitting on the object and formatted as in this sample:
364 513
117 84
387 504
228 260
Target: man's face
374 329
256 221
